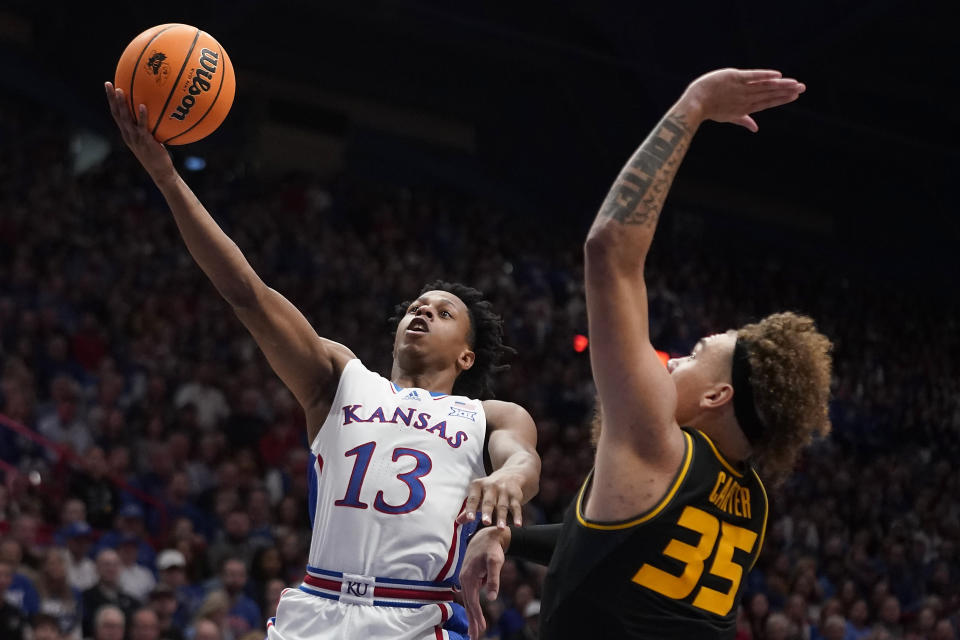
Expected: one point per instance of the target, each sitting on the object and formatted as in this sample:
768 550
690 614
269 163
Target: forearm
512 447
626 222
216 254
535 543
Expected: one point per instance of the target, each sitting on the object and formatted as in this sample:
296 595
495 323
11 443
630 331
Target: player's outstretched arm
636 393
307 363
515 479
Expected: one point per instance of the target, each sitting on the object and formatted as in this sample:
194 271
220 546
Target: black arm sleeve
535 543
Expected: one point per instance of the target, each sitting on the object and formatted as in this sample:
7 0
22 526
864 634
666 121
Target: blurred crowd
159 489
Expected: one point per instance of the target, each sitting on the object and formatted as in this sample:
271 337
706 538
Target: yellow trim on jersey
688 456
722 460
766 512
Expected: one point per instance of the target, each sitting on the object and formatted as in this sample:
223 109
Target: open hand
502 491
731 95
136 134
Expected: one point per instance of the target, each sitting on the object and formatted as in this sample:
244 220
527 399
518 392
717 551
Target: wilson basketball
183 76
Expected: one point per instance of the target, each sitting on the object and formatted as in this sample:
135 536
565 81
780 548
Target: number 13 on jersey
418 492
694 559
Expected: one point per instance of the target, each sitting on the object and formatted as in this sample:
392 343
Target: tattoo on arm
641 188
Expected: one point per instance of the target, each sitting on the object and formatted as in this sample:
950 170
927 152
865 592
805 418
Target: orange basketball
183 76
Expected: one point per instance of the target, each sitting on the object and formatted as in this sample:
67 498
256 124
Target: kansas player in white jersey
390 465
395 459
377 459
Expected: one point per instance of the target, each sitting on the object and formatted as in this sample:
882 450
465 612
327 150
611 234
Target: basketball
183 76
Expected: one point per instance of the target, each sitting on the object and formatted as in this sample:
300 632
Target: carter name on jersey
730 496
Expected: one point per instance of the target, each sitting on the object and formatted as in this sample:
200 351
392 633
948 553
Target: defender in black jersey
675 571
671 520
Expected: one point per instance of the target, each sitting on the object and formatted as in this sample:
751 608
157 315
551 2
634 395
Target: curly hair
790 363
485 339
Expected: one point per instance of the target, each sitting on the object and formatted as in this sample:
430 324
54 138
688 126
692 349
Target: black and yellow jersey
676 571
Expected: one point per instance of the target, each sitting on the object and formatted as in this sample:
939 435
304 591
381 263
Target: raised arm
308 364
512 446
638 398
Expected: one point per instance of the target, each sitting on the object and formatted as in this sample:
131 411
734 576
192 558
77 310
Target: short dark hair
485 338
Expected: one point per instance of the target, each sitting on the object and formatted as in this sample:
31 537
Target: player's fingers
473 499
120 100
112 102
494 563
779 86
772 84
122 114
751 75
142 117
482 625
517 508
474 614
488 504
471 583
766 94
477 624
503 509
469 577
747 122
773 101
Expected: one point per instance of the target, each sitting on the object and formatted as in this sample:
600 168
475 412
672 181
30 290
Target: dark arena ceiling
557 94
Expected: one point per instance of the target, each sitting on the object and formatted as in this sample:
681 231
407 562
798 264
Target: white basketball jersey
391 472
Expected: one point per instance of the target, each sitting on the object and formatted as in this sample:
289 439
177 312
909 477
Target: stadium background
373 147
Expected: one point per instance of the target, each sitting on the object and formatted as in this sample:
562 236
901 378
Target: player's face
696 374
435 330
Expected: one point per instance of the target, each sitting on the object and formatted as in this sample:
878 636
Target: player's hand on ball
731 95
151 154
496 495
481 568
